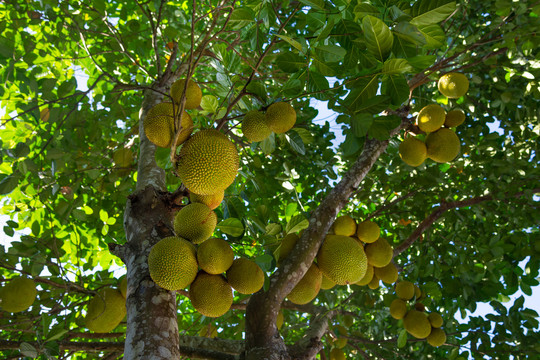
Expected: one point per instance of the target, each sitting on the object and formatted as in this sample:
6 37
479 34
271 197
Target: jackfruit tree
174 161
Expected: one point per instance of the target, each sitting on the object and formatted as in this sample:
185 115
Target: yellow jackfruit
344 225
308 287
412 151
342 259
195 222
442 145
254 126
374 283
208 162
453 85
105 311
326 283
405 290
245 276
388 274
212 201
286 246
454 118
337 354
340 341
431 118
193 93
18 294
172 263
280 319
210 294
435 319
215 256
398 309
280 117
379 253
437 337
417 324
368 231
159 125
366 279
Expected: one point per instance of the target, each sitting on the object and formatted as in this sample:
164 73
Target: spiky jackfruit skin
342 259
193 93
280 319
105 311
454 118
412 151
437 337
195 222
398 309
159 125
379 253
172 263
286 246
215 256
405 290
122 286
366 279
417 324
431 118
442 145
18 295
326 283
435 319
307 288
212 201
210 294
245 276
368 231
374 283
388 274
254 126
453 85
280 117
208 162
344 225
337 354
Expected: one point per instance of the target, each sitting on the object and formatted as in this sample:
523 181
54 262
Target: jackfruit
18 294
123 157
348 320
208 162
245 276
210 294
172 263
254 126
417 292
442 145
209 331
195 222
374 283
159 125
344 225
388 274
340 341
212 201
431 118
453 85
366 279
398 309
280 319
122 286
368 231
280 117
337 354
412 151
105 311
308 287
435 319
215 256
326 283
417 324
193 93
437 337
379 253
286 246
342 259
405 290
454 118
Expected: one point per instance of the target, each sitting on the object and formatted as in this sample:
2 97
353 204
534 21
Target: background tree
78 78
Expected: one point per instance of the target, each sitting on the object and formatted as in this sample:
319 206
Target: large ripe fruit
105 311
210 295
254 126
437 337
193 93
368 231
326 283
344 225
245 276
159 125
405 290
342 259
454 118
398 309
172 263
286 246
18 294
412 151
337 354
417 324
212 201
388 274
453 85
122 286
379 253
442 145
215 256
366 279
374 283
195 222
435 319
280 117
431 118
208 162
308 287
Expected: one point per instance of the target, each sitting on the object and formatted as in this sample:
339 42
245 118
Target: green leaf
379 37
396 66
209 103
56 332
422 61
382 125
402 338
67 88
363 90
231 226
410 33
317 82
241 17
273 229
28 350
362 10
426 12
331 53
290 62
315 4
291 41
374 105
268 145
265 262
434 36
360 124
296 224
325 32
296 142
397 88
257 88
8 184
6 47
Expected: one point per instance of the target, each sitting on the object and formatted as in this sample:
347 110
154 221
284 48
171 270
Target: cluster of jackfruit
18 294
415 320
280 117
107 308
441 144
